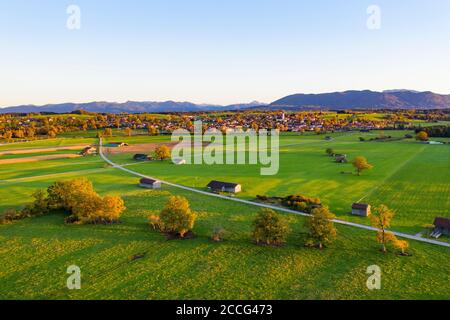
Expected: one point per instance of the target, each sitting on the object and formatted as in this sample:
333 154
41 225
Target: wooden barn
88 150
441 227
150 183
361 209
116 144
140 157
340 158
218 186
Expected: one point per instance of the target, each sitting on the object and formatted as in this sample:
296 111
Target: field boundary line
51 175
342 222
391 175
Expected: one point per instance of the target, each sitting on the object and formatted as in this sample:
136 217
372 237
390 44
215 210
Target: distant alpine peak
400 90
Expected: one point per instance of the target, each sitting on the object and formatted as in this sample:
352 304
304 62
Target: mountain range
128 107
365 99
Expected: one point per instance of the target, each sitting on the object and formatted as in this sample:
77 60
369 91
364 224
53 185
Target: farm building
218 186
361 209
150 183
140 157
116 144
441 226
340 158
88 150
179 162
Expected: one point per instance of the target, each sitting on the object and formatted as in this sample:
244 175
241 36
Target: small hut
88 150
441 227
361 209
150 183
340 158
218 186
140 157
116 144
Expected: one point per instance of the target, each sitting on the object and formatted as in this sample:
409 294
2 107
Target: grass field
410 177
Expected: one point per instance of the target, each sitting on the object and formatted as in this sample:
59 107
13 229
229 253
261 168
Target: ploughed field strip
39 158
37 150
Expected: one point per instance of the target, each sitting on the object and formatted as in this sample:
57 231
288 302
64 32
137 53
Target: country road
209 194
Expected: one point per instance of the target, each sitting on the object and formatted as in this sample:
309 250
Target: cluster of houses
293 122
284 121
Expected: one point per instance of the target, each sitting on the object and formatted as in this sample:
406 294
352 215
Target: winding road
351 224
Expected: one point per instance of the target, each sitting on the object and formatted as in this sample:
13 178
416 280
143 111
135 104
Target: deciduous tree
402 245
361 164
329 152
153 131
321 230
381 219
270 228
108 132
177 217
422 136
128 132
162 152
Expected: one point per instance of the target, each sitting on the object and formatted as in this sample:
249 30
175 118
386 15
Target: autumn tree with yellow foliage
152 131
381 219
107 133
79 199
162 152
361 164
127 131
422 136
177 218
402 245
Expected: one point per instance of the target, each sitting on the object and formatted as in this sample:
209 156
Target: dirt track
139 148
39 158
36 150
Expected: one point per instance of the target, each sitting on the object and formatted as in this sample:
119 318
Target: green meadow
409 177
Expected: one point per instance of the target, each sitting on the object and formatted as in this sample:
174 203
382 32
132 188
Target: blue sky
218 51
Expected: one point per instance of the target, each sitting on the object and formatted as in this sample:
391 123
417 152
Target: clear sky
218 51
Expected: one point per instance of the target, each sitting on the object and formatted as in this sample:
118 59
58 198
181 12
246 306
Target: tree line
77 198
436 131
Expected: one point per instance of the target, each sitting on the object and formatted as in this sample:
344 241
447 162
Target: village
15 127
